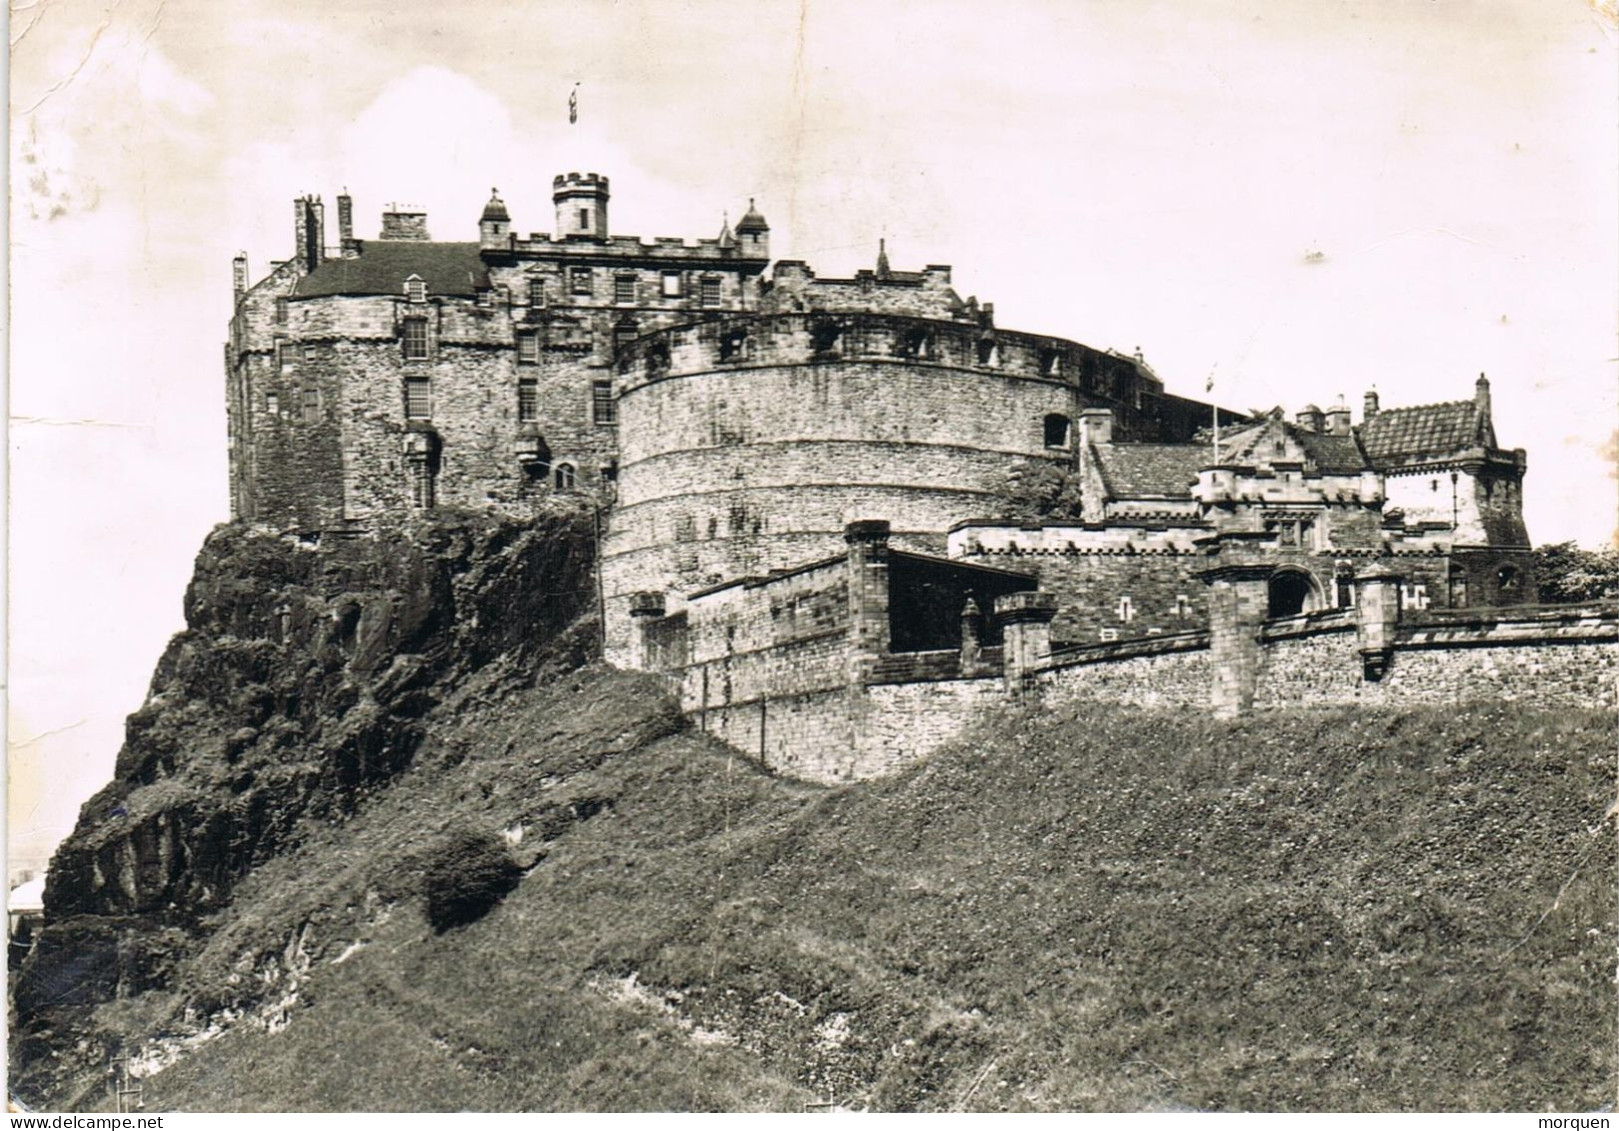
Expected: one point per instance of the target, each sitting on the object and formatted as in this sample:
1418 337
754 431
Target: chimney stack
309 232
238 275
345 225
1338 419
1370 408
1310 419
1481 395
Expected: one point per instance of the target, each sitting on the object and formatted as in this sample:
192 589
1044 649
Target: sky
1306 201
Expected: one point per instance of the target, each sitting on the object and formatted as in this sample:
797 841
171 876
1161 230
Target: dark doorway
1291 593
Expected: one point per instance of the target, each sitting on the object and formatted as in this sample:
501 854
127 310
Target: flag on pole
1214 411
573 105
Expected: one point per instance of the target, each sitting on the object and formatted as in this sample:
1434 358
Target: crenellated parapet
813 338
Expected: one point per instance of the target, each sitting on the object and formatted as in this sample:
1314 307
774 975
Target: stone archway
1291 592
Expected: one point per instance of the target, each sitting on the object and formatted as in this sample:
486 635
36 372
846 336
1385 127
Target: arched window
1292 592
987 354
563 477
1057 430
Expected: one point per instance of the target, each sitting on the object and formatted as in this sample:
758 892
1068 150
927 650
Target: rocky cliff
298 688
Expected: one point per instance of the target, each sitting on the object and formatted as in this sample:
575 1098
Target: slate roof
1333 455
1396 434
1134 470
382 267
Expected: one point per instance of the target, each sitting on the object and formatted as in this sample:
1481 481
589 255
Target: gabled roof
382 267
1132 471
1427 430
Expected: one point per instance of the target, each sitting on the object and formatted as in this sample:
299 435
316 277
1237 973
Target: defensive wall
802 671
746 443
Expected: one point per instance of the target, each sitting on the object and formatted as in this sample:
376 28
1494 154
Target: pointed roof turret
496 208
727 241
752 220
883 270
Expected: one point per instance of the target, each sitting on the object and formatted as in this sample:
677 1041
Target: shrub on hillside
1568 574
468 871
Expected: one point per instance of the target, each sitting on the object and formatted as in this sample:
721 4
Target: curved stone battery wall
746 444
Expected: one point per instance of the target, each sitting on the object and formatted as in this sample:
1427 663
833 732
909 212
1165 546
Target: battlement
748 341
661 249
595 182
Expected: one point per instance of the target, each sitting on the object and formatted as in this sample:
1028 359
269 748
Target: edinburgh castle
842 515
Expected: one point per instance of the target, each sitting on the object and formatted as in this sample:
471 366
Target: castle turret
495 225
1311 419
884 271
726 241
753 233
581 202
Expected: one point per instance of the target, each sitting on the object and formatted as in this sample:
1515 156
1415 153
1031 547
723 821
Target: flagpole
1214 411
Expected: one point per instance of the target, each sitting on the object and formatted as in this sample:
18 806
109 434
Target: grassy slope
1079 910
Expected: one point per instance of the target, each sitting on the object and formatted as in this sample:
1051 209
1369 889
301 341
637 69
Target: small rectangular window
584 219
710 292
418 398
536 292
579 280
603 409
272 404
528 349
311 405
624 288
415 290
672 287
415 339
281 311
528 401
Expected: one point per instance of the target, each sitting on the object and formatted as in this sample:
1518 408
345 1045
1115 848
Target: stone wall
1167 671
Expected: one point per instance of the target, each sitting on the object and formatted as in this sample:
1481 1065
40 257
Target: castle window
624 288
528 349
415 290
311 405
1507 580
272 404
579 280
987 353
562 477
536 292
422 485
657 358
584 219
1057 429
1126 610
672 287
603 409
914 343
414 339
710 291
1183 606
281 311
623 334
733 345
1050 363
610 471
528 400
418 398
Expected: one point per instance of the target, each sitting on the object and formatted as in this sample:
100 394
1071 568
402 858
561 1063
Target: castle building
781 457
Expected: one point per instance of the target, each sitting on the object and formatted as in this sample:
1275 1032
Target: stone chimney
1095 426
345 225
1369 409
1310 418
309 232
238 275
404 224
1338 419
1481 395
